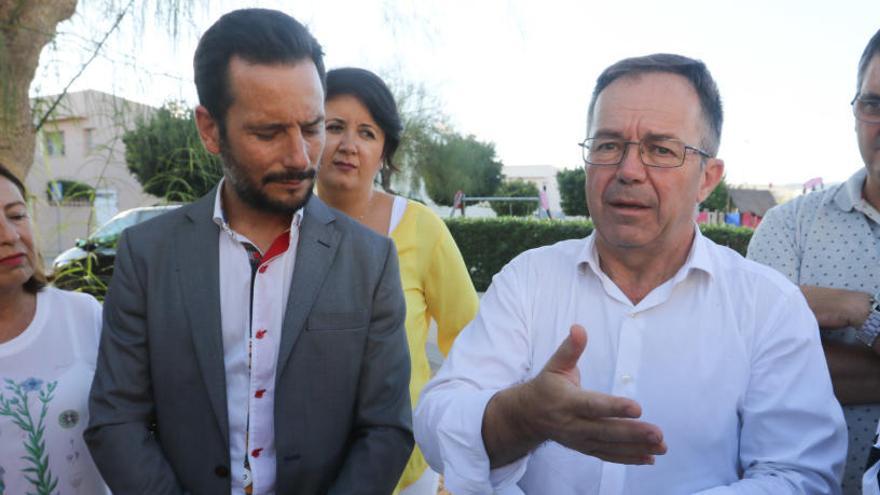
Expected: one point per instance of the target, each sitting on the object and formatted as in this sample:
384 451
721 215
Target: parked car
88 266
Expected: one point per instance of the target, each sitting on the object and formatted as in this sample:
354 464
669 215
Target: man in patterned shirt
828 242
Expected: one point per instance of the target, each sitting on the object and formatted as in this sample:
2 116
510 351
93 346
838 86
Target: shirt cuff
465 461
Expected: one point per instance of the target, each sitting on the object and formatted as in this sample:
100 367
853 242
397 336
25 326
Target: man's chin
288 203
626 236
273 201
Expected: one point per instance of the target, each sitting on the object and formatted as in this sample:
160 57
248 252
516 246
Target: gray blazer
158 419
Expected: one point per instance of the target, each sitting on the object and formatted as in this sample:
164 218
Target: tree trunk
26 26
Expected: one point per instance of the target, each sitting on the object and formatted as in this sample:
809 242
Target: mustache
627 194
290 175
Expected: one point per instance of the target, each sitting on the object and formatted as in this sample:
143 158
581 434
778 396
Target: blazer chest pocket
349 321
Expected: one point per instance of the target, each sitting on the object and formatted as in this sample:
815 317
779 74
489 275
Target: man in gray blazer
254 340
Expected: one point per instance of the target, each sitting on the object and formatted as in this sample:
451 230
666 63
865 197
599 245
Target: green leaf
166 156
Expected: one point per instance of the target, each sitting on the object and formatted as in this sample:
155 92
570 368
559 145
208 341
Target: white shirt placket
264 340
629 352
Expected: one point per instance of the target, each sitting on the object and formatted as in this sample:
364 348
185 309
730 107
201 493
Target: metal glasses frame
585 151
860 117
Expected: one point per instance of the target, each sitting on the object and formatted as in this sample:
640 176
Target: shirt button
261 333
263 268
259 393
626 379
221 471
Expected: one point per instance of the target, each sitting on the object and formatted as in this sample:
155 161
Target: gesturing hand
596 424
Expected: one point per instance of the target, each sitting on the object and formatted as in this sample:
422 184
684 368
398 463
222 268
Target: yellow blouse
436 285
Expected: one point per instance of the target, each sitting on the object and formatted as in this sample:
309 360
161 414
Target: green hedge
736 238
487 244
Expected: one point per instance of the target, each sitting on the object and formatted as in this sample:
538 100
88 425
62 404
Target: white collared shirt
250 386
724 357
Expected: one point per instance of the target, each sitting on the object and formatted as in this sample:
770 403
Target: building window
54 143
69 193
89 135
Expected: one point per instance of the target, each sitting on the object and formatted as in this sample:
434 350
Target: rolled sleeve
490 355
455 446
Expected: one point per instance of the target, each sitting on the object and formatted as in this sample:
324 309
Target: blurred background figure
363 132
48 346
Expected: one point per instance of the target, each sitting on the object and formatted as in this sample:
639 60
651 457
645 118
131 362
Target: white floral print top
45 375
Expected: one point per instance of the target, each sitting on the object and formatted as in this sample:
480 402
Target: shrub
571 191
719 198
454 163
515 188
166 155
736 238
487 244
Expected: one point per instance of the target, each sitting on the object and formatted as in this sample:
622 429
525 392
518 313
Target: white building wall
543 176
92 124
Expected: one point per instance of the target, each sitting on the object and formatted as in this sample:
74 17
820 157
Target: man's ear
710 176
209 130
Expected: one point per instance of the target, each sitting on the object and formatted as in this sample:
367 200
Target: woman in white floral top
48 346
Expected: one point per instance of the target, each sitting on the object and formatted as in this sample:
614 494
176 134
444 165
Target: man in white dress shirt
698 376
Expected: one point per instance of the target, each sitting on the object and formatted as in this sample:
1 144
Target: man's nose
631 167
297 153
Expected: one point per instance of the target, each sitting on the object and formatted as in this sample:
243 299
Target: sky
519 73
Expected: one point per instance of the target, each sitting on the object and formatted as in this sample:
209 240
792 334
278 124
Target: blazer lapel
198 270
318 242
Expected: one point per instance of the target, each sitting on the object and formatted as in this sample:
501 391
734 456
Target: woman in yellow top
363 132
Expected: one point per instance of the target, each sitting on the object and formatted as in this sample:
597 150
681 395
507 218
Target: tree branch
82 69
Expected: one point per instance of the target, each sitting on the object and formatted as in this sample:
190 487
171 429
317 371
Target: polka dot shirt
829 238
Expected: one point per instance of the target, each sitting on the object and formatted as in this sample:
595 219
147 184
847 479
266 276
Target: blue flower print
31 385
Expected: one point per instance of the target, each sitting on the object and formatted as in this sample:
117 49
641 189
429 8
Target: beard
252 193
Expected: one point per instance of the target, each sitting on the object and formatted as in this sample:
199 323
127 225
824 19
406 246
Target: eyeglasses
866 109
654 152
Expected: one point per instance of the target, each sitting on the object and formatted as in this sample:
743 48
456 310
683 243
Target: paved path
434 356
